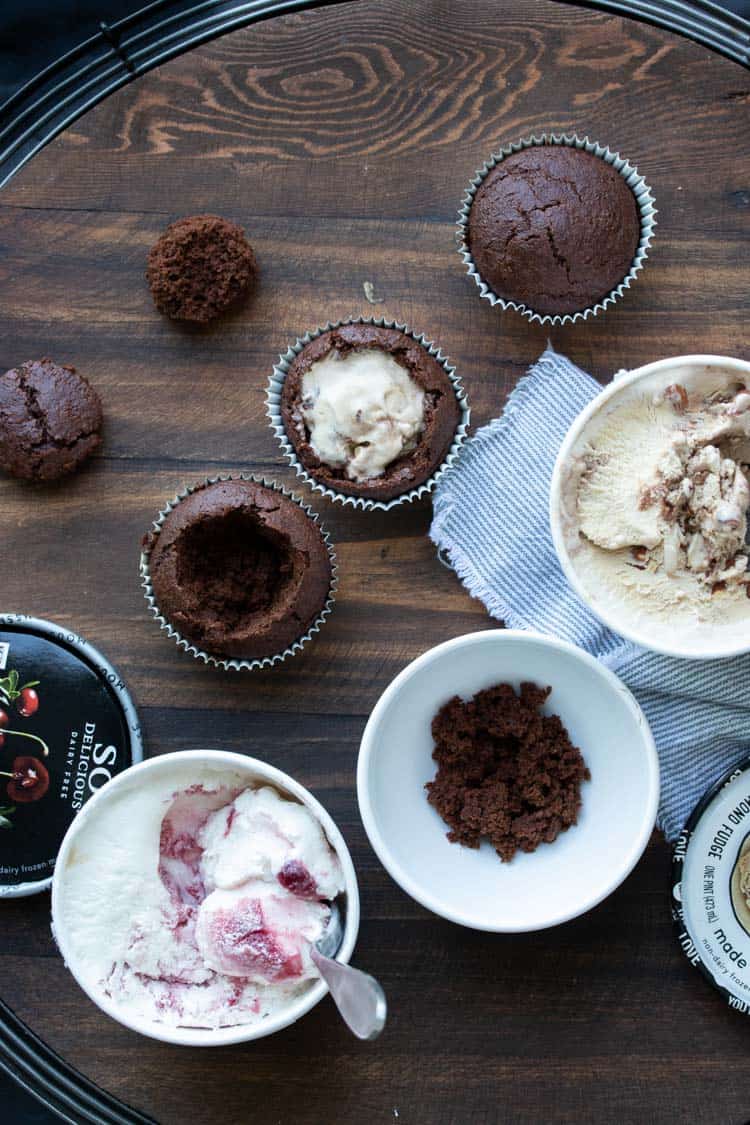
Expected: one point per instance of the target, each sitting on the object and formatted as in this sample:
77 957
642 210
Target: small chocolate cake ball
50 420
200 267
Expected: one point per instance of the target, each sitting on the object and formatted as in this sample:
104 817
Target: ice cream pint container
67 726
711 886
655 543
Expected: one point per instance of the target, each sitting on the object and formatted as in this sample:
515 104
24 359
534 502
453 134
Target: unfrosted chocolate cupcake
50 420
369 411
239 569
200 267
554 228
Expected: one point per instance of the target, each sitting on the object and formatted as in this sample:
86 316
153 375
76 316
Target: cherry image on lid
67 726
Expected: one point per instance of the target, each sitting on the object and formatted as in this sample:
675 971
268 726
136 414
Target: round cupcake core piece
369 411
553 228
201 266
239 569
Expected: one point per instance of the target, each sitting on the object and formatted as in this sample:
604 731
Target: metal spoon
358 996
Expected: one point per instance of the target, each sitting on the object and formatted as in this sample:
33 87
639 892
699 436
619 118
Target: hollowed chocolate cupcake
239 570
369 410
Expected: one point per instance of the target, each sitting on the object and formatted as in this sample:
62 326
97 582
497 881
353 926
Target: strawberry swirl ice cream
196 904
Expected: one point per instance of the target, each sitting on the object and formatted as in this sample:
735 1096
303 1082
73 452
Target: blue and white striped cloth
491 523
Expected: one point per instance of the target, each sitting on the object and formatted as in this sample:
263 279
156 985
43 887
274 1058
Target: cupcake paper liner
273 409
646 210
217 661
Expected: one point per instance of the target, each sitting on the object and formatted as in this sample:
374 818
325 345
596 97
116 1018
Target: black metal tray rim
123 50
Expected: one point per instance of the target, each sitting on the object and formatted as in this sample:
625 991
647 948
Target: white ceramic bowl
256 772
556 882
701 641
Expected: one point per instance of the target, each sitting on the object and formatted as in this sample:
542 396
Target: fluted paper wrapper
218 661
646 210
273 409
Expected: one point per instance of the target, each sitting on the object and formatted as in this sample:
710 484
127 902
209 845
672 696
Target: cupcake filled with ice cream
187 897
367 412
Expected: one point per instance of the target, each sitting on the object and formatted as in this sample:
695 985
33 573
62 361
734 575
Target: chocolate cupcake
367 411
50 420
238 569
200 267
555 228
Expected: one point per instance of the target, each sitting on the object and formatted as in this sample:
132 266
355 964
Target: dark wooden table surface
343 139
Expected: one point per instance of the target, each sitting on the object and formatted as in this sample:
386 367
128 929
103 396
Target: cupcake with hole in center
239 572
367 412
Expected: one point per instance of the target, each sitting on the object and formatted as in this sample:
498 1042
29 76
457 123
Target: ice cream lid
711 886
67 726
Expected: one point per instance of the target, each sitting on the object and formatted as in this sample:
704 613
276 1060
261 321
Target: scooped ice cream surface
661 500
197 904
362 410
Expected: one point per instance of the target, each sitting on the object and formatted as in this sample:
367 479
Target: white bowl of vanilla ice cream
188 892
649 506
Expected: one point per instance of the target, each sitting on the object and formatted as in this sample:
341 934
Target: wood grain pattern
343 140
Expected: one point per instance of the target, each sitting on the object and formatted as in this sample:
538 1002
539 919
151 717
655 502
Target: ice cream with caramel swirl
658 492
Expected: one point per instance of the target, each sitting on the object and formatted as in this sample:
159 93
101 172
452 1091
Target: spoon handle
358 996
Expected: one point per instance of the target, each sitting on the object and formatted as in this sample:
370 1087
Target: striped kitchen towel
491 524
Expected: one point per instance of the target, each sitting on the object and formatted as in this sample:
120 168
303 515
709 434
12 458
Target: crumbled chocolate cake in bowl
507 780
506 771
239 572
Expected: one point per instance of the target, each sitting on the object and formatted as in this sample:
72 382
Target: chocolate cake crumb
505 771
200 267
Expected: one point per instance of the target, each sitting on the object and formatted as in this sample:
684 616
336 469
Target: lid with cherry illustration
67 725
